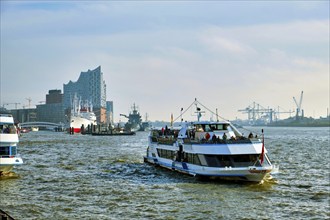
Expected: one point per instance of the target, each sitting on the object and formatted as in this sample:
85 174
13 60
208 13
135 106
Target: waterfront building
54 96
53 110
24 115
91 87
110 113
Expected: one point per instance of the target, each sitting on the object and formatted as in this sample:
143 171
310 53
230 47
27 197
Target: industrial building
53 110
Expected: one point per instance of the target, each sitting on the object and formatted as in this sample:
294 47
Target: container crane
257 113
299 111
29 100
15 103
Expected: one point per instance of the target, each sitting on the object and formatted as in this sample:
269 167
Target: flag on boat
262 155
171 119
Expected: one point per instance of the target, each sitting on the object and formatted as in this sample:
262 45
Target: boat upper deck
202 133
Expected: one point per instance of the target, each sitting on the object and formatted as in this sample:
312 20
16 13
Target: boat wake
9 175
140 173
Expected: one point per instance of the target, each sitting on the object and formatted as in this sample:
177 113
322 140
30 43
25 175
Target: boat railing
218 141
168 140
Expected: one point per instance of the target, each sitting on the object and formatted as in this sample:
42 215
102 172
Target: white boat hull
76 122
252 173
7 164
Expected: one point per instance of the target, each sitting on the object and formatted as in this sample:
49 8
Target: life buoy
207 136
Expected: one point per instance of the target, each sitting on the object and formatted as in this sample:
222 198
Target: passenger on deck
214 139
224 137
166 131
250 135
192 134
207 136
6 130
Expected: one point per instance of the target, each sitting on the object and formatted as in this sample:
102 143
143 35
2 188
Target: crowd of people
8 129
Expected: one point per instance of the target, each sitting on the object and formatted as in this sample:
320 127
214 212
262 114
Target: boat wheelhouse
8 144
210 149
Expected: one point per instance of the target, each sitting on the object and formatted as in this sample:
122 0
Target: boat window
191 158
8 128
13 151
4 151
225 160
212 161
232 160
168 154
199 128
245 160
208 128
220 127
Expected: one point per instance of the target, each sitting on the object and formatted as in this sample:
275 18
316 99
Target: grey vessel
135 120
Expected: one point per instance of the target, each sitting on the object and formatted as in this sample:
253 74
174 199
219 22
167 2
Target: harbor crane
29 100
258 114
299 111
15 103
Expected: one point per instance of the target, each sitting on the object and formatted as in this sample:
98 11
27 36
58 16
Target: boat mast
198 111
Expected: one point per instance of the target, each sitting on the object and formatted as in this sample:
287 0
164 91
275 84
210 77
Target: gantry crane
257 112
299 111
29 99
15 103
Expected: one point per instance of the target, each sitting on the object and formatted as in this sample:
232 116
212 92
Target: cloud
163 62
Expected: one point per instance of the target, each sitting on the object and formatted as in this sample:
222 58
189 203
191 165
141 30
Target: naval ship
135 121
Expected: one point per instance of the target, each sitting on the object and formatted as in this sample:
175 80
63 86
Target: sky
161 55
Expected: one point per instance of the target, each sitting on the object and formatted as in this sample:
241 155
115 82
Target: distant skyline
161 55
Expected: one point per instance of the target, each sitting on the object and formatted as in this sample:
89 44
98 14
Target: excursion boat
210 149
8 144
82 115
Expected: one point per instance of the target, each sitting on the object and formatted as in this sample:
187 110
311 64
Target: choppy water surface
88 177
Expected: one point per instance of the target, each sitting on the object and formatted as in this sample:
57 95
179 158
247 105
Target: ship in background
135 120
82 115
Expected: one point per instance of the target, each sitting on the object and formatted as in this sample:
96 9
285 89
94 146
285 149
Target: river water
88 177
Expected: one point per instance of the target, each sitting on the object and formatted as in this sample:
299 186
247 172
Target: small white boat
34 128
8 144
209 149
